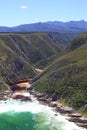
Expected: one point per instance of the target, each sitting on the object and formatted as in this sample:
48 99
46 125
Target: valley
53 64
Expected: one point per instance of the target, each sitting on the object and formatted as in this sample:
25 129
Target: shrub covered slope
67 76
20 53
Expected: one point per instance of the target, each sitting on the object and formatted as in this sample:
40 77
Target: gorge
57 73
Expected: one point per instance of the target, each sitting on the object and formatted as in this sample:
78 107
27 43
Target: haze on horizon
13 13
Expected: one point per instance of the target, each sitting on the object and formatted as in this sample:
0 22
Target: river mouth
31 115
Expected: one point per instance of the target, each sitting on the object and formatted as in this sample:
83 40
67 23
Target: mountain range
55 26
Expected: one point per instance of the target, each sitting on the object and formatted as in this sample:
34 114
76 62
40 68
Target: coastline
67 111
44 99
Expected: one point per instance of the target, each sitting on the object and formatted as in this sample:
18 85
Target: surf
31 115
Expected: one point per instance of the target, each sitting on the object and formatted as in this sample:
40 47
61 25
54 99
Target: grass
77 42
20 52
65 74
67 77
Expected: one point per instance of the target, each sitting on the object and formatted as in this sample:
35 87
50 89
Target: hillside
33 47
12 66
21 53
62 38
67 78
77 42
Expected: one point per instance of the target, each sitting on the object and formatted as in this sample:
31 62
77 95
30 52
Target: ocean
31 115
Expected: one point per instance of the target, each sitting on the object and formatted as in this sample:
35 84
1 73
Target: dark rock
55 97
15 87
78 120
43 99
41 95
26 99
34 93
56 114
64 110
4 98
18 96
82 125
74 115
52 104
30 88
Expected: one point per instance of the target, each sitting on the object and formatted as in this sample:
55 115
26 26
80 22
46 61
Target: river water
17 115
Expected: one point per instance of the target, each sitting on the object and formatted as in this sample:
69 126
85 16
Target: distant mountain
56 26
71 25
6 29
40 27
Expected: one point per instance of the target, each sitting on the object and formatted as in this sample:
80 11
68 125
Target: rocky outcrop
22 95
75 115
21 85
81 122
58 107
18 96
64 110
4 95
82 125
26 99
20 89
38 71
78 120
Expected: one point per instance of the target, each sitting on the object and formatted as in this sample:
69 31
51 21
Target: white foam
36 107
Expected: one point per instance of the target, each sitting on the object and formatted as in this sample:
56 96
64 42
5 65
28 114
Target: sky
17 12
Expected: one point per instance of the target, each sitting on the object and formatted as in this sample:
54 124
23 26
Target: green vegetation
3 86
67 77
20 53
65 74
12 66
77 42
33 47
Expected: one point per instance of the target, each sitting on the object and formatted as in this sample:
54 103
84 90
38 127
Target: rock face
22 95
38 71
23 85
15 87
18 96
20 90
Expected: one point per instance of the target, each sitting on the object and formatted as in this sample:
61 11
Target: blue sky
16 12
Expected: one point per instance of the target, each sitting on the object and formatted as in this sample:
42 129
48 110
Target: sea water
17 115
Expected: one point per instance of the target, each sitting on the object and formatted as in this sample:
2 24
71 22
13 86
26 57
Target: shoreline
67 111
53 120
44 99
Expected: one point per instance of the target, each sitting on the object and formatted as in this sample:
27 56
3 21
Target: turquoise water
17 115
26 121
21 121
